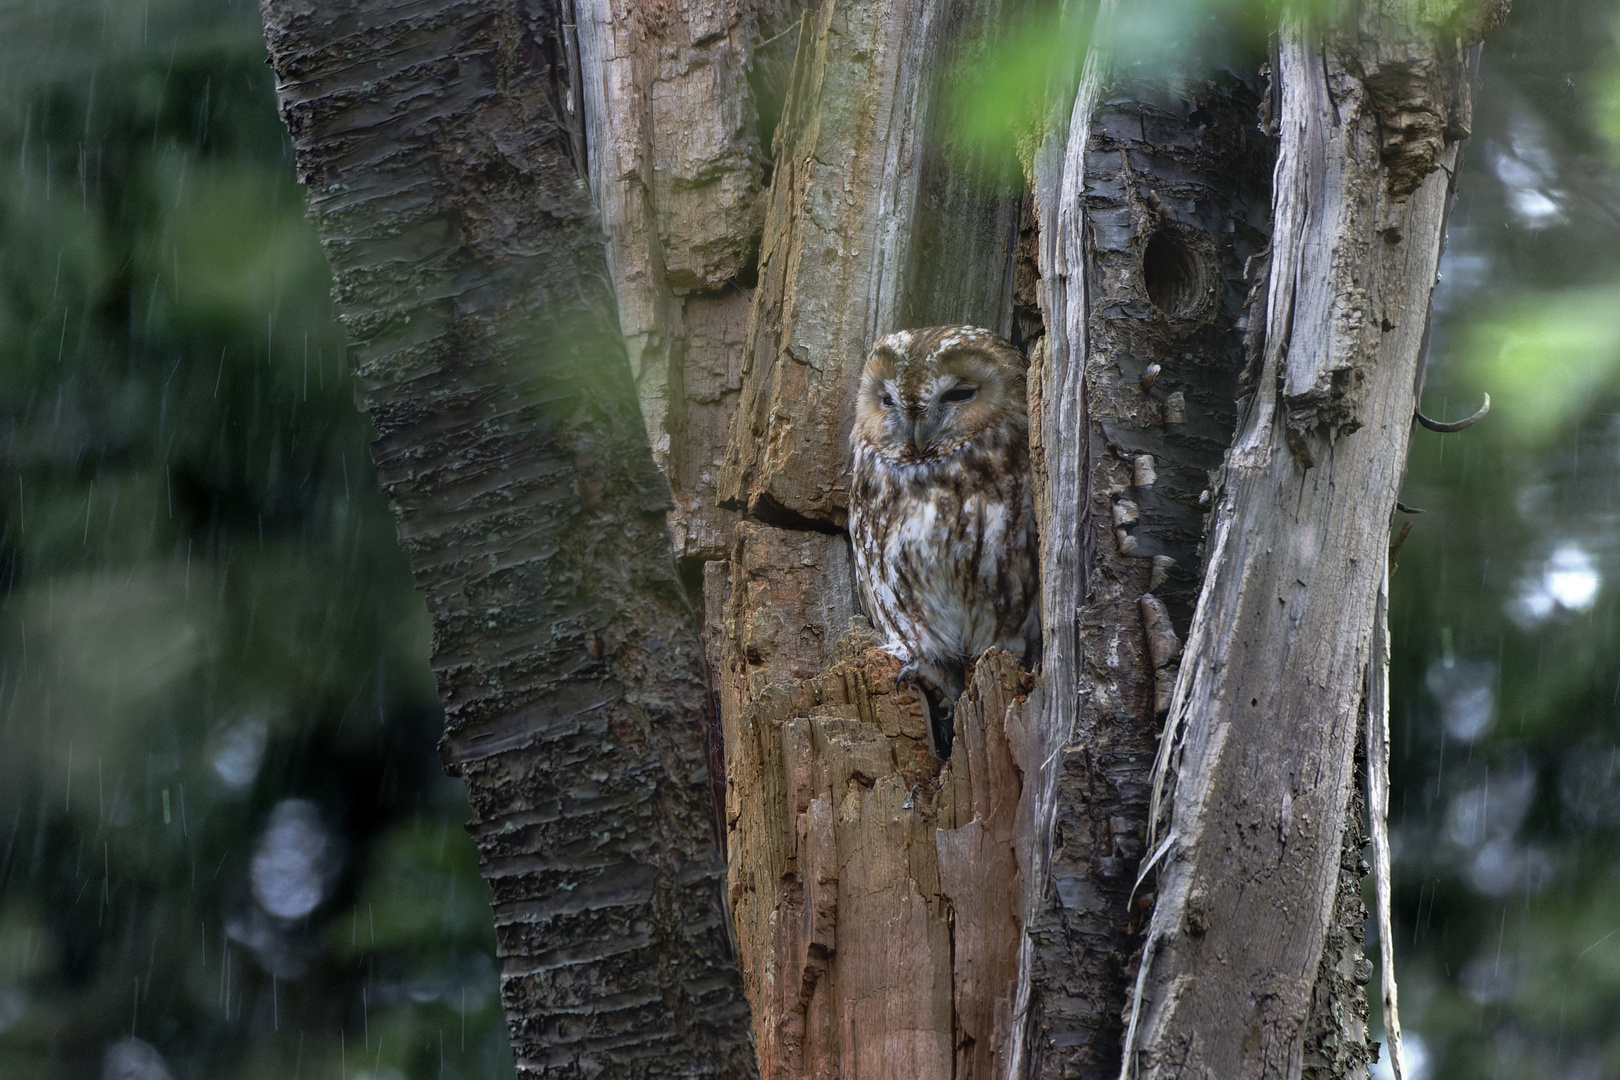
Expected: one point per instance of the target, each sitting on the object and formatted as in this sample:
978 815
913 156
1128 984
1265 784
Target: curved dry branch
1455 425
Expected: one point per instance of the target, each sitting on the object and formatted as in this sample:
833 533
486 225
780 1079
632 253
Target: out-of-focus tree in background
1506 676
224 832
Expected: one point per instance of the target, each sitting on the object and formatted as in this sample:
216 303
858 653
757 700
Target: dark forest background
227 848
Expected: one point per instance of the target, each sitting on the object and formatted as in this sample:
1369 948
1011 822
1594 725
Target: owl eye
886 400
959 394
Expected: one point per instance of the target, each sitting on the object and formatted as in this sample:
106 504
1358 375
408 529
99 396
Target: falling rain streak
1507 828
197 592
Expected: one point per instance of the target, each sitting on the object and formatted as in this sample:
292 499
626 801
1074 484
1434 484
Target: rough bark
441 144
1265 719
1151 202
1336 1042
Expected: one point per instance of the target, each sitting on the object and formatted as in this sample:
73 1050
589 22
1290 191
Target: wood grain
1267 708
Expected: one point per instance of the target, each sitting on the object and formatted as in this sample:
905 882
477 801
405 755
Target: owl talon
942 726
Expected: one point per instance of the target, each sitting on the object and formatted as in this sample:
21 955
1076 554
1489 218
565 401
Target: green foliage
999 94
1544 358
1006 82
1013 77
205 611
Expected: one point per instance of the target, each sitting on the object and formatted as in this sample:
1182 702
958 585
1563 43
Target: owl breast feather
945 555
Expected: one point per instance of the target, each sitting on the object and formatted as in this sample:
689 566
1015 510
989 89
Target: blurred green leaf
999 95
1544 358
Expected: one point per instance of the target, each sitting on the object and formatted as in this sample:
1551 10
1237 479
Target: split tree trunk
1145 243
1280 668
875 897
778 184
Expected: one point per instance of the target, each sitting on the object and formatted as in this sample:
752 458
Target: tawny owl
941 518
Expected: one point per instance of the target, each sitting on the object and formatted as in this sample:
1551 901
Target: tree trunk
1151 205
1265 721
443 151
780 182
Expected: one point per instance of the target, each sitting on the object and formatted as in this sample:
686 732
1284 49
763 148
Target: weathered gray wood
440 141
1336 1041
1264 723
1057 411
847 254
1375 732
1150 204
676 169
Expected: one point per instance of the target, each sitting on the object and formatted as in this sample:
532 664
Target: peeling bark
1265 720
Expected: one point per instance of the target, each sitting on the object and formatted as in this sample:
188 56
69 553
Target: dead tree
539 215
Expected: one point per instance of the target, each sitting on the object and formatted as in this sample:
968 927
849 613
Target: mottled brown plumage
941 518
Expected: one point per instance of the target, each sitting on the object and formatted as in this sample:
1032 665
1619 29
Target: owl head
927 393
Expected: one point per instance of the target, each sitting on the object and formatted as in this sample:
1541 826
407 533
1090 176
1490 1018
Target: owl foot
942 726
916 673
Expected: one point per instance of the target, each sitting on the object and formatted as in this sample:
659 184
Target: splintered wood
676 168
876 888
877 897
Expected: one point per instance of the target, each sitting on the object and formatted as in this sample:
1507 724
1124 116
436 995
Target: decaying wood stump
875 887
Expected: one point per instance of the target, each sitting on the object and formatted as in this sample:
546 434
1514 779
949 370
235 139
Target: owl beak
923 428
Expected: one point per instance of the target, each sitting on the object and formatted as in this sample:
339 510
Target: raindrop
295 860
1502 867
1567 579
133 1059
1491 809
238 750
1571 579
1527 172
1487 981
13 1006
1586 782
1466 692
